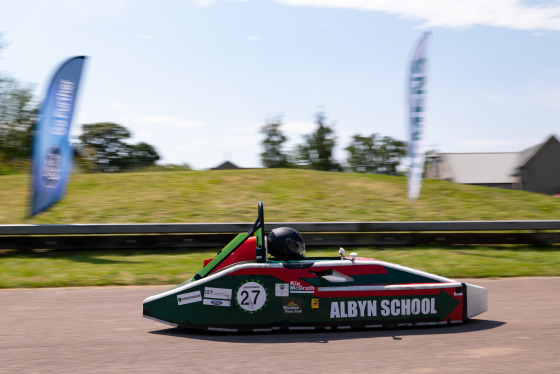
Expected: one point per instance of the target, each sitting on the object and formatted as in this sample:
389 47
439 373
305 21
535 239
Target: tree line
103 147
373 154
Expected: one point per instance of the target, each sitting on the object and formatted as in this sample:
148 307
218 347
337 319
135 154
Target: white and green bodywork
263 294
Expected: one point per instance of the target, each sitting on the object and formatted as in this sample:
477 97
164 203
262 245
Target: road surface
101 330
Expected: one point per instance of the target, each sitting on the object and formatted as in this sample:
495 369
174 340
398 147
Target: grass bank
288 195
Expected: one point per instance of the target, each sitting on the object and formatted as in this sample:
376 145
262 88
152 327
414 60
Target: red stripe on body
361 293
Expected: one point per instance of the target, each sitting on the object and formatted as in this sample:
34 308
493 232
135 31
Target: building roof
475 168
487 168
527 154
226 165
483 168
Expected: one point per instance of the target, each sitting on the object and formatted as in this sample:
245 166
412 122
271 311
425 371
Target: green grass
142 267
288 195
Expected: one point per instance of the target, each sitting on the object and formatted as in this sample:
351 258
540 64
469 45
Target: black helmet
286 243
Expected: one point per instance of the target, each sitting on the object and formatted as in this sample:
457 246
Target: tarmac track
100 330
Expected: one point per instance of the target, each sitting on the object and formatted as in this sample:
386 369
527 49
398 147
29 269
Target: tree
375 154
17 116
142 155
273 156
103 146
317 151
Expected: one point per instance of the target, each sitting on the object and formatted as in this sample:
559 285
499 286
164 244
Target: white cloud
494 144
119 105
84 10
298 127
127 109
289 128
166 121
254 129
204 3
512 14
538 98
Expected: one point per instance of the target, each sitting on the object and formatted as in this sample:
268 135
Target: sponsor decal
217 293
188 298
314 303
251 296
385 308
292 308
282 290
297 287
51 169
216 302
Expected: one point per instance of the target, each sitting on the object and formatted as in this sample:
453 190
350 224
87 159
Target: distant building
536 169
226 165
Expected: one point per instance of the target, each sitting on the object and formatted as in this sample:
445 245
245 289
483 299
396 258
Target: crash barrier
179 235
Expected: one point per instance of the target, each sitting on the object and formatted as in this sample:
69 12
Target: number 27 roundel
251 296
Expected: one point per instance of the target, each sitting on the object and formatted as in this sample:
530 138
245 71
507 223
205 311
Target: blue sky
197 79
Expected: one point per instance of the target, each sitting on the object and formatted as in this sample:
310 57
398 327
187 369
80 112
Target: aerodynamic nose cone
477 301
160 308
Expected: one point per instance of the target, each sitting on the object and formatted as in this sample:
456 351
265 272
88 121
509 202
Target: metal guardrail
234 228
179 235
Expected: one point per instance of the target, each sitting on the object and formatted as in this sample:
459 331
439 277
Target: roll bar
258 230
261 251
